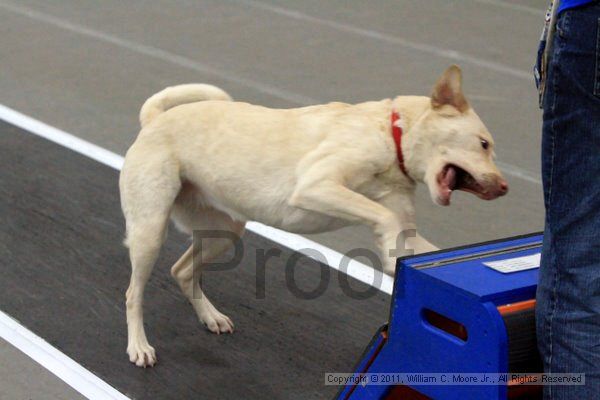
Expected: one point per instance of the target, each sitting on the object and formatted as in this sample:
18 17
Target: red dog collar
397 134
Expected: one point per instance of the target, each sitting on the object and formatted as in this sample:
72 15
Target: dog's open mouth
453 177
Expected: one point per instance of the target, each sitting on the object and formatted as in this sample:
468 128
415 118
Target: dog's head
452 148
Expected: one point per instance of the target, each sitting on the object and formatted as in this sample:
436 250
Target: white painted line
520 173
159 54
355 269
515 7
61 137
76 376
395 40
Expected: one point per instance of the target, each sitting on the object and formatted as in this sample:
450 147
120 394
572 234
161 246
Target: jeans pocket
597 73
563 24
538 72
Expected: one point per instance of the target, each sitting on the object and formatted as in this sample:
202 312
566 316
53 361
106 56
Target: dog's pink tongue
449 179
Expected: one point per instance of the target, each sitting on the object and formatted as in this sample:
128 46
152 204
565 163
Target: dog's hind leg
144 245
188 269
147 195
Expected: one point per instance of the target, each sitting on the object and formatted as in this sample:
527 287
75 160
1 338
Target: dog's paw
217 323
142 355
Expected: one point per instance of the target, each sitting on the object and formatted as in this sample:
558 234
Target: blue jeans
568 296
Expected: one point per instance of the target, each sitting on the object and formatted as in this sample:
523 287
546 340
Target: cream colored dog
210 163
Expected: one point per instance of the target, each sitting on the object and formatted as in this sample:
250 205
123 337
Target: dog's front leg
409 241
422 245
334 199
405 241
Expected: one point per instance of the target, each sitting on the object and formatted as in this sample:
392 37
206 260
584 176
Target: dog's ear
448 90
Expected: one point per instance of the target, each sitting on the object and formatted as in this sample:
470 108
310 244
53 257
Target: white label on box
515 264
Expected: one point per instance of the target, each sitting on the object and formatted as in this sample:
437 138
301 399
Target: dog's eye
485 144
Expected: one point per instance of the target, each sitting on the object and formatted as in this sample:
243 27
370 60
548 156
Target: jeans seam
597 72
552 308
554 62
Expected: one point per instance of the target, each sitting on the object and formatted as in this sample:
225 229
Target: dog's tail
174 96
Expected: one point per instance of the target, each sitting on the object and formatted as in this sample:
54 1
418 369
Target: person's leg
568 298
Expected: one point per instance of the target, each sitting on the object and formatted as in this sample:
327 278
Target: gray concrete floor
21 378
87 66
